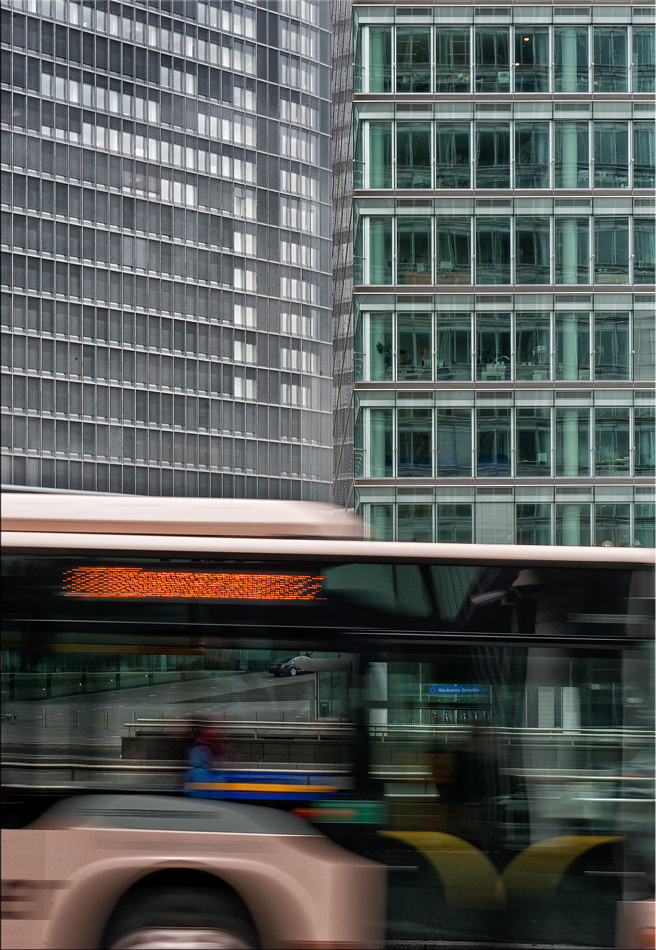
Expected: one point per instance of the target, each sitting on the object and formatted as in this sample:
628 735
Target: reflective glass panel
533 524
572 246
644 345
380 443
572 346
644 440
493 443
570 59
611 250
380 251
644 154
413 250
493 346
573 524
413 60
415 523
644 526
454 442
533 352
531 59
452 59
611 346
532 162
610 59
381 522
453 346
454 523
611 154
413 155
492 59
532 251
415 441
380 155
612 440
453 251
533 441
414 350
613 524
492 155
572 155
572 441
380 346
644 59
643 250
492 250
452 159
380 59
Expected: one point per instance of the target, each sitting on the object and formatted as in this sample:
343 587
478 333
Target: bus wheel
179 919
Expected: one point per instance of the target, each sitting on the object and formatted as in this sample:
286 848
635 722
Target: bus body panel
297 888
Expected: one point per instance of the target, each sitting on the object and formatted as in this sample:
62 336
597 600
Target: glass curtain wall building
165 232
494 311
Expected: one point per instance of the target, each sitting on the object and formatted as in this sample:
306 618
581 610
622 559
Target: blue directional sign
439 690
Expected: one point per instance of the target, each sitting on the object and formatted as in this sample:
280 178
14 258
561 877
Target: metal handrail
374 729
243 725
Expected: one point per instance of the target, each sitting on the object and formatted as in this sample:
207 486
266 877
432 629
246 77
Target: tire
293 671
180 918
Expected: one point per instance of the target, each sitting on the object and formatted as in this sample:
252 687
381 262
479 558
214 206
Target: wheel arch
181 877
81 915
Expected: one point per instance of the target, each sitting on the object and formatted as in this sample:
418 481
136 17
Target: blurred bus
468 759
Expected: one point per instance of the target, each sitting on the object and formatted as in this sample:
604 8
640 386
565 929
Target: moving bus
467 758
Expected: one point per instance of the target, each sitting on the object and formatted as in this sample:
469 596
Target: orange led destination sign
112 582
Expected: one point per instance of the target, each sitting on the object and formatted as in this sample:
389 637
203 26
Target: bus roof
191 517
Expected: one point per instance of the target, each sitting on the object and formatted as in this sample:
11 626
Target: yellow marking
265 787
535 872
470 879
468 876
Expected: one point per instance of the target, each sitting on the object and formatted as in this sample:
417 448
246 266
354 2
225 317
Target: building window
610 59
533 438
452 156
493 443
413 155
572 346
492 250
613 524
644 438
492 60
493 356
452 59
413 60
531 59
572 441
573 524
454 442
572 246
533 524
612 441
570 59
453 347
612 346
611 250
415 441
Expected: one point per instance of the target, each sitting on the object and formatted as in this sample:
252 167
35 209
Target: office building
165 231
494 250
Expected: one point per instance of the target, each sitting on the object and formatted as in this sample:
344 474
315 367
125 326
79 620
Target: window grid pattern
512 147
489 436
568 521
142 279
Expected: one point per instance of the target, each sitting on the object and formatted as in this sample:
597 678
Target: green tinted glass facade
502 307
